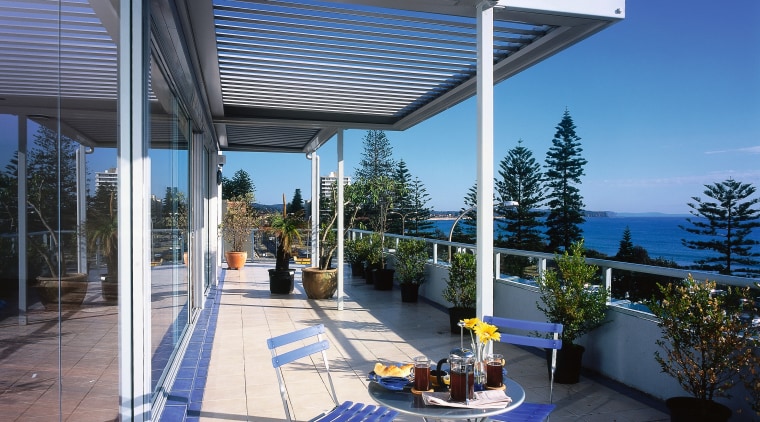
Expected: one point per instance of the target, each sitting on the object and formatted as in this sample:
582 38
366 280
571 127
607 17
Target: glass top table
406 402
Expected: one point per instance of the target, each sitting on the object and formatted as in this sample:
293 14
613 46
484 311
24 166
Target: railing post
607 281
541 267
435 253
497 265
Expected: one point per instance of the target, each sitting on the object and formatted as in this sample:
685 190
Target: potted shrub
51 199
321 282
103 235
461 289
286 228
568 296
705 346
352 255
411 256
382 192
237 224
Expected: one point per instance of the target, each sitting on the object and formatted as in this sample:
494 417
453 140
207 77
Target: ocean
660 236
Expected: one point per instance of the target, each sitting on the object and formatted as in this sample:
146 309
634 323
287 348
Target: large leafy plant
461 287
569 296
411 256
705 344
238 222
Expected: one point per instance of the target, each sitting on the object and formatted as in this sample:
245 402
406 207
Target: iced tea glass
421 373
494 370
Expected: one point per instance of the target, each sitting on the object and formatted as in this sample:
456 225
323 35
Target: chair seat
526 412
358 412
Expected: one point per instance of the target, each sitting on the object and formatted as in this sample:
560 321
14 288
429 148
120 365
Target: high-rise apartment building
326 183
106 178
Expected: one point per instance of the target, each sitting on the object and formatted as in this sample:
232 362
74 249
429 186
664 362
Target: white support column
341 223
485 160
21 217
134 214
81 173
315 209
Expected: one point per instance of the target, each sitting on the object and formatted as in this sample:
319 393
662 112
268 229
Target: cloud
748 150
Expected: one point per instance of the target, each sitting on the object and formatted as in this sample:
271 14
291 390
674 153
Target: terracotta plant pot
319 284
236 260
73 289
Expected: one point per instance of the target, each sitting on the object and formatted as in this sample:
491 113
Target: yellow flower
470 323
486 332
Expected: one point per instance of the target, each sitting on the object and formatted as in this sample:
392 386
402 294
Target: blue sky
666 101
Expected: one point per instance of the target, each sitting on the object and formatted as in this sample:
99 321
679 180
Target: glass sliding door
58 131
170 192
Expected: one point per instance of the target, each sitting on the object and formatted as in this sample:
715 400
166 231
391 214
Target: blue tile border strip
186 395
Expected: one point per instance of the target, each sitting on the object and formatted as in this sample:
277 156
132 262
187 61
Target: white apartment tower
326 183
106 178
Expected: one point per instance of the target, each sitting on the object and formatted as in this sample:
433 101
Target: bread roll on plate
393 370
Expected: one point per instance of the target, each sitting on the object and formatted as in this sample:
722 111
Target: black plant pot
569 359
383 278
457 314
368 274
690 409
409 292
357 269
282 282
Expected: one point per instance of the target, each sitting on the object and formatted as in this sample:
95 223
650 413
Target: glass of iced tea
421 373
494 370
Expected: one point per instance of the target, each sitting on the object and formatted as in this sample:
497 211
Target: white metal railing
622 349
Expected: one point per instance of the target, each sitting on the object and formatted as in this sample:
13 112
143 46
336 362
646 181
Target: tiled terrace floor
374 326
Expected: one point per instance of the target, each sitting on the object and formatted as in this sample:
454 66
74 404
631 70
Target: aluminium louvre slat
306 54
343 107
350 21
262 68
318 101
364 12
253 81
240 48
417 18
240 41
409 34
62 49
283 35
305 92
294 79
332 66
315 97
264 83
317 24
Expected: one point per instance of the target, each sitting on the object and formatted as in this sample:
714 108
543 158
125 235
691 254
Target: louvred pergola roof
282 75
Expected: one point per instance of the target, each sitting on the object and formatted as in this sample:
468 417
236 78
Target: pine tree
240 185
521 181
730 220
296 205
418 222
403 208
564 170
377 158
625 251
376 170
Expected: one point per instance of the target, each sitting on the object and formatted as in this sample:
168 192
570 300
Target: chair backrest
523 332
317 345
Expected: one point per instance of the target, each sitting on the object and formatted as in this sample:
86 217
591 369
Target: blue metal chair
344 412
507 328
